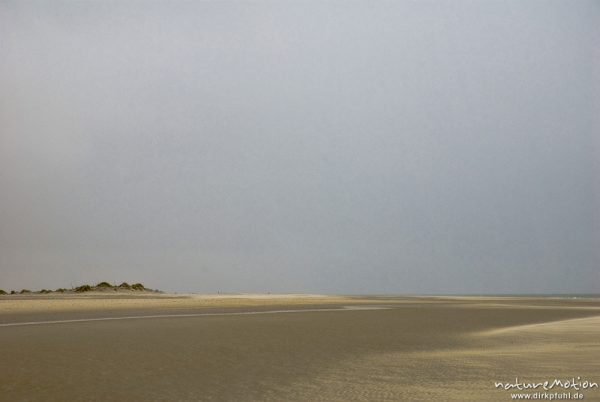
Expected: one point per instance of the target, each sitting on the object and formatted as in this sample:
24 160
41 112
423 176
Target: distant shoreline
118 290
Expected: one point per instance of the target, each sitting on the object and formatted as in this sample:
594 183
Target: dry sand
101 301
420 349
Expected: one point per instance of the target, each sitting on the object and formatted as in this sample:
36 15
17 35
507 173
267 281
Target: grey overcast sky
313 146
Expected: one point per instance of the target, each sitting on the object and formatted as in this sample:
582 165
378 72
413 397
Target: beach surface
158 347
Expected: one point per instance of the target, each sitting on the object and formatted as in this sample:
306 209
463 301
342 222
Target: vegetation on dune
102 286
106 285
83 288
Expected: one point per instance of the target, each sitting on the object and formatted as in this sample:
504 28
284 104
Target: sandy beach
292 347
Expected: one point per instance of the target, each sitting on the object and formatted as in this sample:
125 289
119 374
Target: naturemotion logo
575 384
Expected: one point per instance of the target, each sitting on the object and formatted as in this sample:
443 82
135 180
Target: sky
346 147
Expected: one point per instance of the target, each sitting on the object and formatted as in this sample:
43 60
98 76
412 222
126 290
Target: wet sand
195 349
